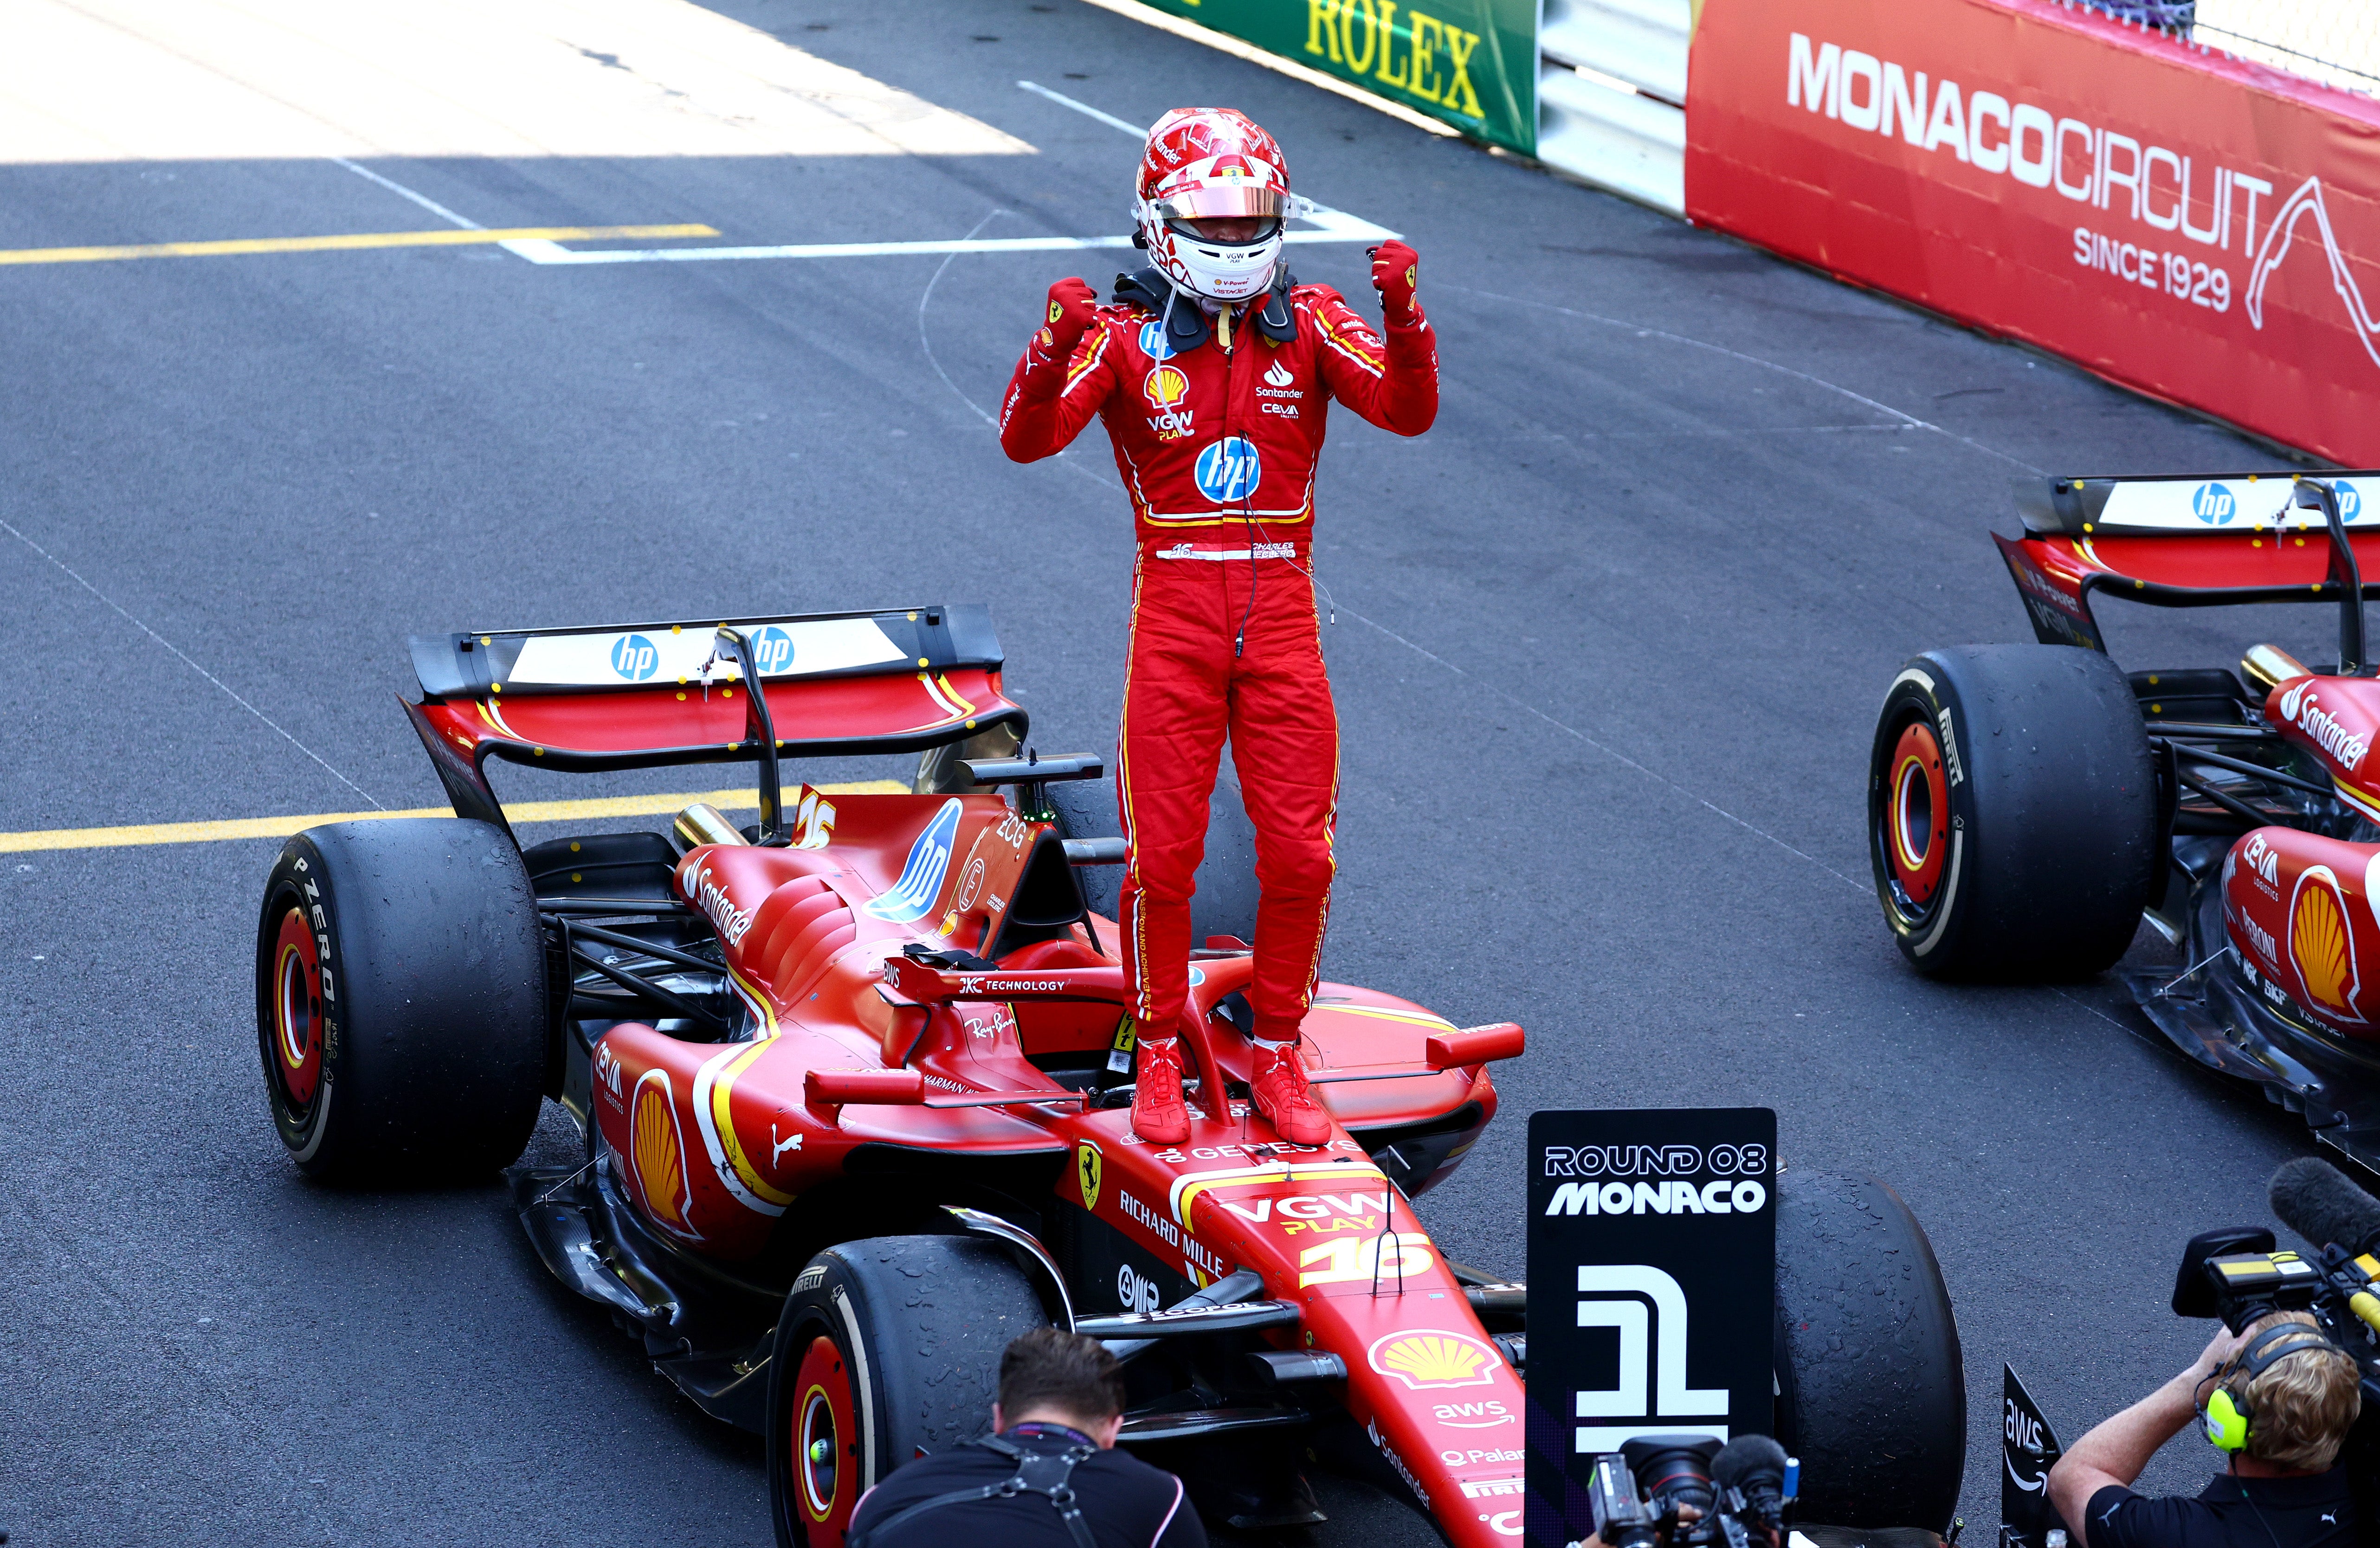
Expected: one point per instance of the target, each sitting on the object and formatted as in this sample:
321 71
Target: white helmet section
1219 271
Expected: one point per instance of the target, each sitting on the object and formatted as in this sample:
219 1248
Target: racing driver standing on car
1213 373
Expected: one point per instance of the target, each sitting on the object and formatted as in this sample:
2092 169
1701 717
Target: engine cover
2298 908
2336 719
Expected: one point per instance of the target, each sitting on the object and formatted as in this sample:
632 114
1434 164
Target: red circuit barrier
2195 226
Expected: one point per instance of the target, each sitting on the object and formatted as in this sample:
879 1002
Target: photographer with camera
2279 1398
1687 1491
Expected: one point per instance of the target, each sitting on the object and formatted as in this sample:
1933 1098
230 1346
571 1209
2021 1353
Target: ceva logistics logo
1228 470
635 658
2213 504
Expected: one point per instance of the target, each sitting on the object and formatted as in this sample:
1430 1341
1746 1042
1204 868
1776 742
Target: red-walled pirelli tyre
887 1350
2012 812
1872 1392
401 999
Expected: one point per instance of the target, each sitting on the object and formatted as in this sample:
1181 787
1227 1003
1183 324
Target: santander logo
2301 709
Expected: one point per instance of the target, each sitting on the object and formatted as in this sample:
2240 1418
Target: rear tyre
1225 903
401 999
1872 1388
2012 812
887 1350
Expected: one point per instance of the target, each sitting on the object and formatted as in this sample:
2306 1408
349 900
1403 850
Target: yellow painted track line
519 812
345 244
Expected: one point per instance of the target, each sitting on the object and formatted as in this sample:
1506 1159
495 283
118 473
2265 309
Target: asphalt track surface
1608 644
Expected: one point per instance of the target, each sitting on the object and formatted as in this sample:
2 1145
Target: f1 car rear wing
651 694
2195 540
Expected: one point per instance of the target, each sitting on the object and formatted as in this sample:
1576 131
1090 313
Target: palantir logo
635 658
772 651
2213 504
1228 470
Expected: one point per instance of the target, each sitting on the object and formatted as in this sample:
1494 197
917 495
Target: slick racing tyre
1872 1390
1225 903
2012 812
401 999
888 1349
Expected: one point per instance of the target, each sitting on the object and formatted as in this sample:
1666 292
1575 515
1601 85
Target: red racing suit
1217 448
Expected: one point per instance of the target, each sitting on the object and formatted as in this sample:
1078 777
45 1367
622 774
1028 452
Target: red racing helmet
1209 163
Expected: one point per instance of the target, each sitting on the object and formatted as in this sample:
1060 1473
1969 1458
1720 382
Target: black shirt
1127 1503
2316 1512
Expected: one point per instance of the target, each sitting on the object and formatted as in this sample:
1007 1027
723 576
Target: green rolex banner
1469 62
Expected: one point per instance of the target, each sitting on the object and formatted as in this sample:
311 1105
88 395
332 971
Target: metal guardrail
2334 43
1612 74
1611 93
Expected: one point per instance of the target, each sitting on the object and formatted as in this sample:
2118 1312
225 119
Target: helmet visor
1222 199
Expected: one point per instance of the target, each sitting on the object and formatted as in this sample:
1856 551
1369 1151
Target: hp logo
2213 504
1153 342
635 659
2350 502
1228 470
772 651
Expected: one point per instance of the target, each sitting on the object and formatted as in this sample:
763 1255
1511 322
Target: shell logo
1165 386
655 1149
1433 1356
2322 945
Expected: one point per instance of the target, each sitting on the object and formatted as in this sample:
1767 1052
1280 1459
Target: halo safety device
2224 1414
1214 163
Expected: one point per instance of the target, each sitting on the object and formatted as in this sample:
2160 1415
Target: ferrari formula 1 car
2030 805
854 1088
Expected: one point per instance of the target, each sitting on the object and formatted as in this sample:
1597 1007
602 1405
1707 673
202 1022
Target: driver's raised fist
1394 275
1071 305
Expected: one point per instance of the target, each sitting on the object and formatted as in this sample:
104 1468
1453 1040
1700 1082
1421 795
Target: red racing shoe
1284 1097
1159 1114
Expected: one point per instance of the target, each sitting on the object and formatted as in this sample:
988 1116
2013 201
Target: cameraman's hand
2220 1351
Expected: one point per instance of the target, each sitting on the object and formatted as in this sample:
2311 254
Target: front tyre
1871 1385
2012 812
888 1349
401 999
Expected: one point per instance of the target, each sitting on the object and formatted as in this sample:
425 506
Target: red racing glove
1393 266
1071 305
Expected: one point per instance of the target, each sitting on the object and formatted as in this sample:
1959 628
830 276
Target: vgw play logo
635 658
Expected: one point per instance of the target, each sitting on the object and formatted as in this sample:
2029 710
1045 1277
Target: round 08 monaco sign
1652 1289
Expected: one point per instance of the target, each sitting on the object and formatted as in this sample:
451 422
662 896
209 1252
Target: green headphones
2224 1414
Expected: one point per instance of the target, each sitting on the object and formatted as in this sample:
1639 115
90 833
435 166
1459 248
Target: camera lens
1673 1469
